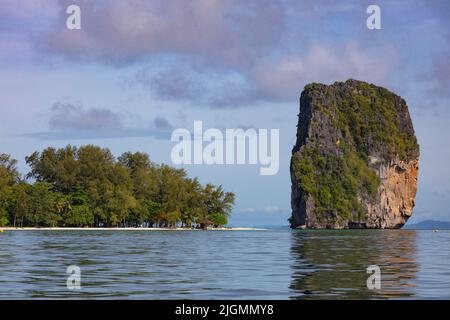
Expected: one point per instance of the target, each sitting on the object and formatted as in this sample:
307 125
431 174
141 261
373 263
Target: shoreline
125 229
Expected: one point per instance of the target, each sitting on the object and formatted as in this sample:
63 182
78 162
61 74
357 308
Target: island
87 187
356 158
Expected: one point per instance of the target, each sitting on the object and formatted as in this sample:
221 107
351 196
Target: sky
136 70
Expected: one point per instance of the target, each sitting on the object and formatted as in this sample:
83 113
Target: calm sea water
272 264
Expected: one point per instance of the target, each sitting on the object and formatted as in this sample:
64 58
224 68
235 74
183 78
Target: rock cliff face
355 162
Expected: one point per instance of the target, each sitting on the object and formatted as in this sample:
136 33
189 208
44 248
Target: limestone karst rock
355 161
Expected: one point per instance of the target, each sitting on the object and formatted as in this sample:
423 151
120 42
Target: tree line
88 186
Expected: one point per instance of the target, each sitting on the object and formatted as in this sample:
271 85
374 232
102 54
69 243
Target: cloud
274 80
197 84
111 134
230 32
73 118
37 12
436 79
74 122
177 82
285 78
225 53
440 75
161 123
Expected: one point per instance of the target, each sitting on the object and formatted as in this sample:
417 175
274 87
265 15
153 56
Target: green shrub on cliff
334 181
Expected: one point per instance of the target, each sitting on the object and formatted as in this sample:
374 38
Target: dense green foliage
372 119
352 121
335 181
87 186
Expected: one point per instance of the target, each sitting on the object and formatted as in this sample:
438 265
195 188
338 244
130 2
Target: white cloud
285 78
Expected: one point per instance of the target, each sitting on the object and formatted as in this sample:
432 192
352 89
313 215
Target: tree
144 187
135 162
218 201
78 216
94 172
218 219
43 205
119 198
170 193
79 213
9 177
5 195
87 186
8 171
20 203
43 165
192 209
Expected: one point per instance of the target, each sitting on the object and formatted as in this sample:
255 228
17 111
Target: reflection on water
272 264
146 265
332 264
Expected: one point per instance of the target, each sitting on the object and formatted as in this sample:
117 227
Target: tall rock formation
355 162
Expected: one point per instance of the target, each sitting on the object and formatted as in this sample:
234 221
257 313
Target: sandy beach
124 229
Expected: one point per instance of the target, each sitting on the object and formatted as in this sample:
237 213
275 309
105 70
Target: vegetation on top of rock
373 119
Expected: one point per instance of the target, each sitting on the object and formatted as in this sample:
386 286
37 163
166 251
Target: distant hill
429 225
273 226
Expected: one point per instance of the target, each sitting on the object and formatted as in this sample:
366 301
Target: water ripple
273 264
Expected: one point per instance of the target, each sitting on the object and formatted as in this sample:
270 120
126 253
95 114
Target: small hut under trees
205 224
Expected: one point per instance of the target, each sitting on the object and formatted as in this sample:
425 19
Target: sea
257 264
